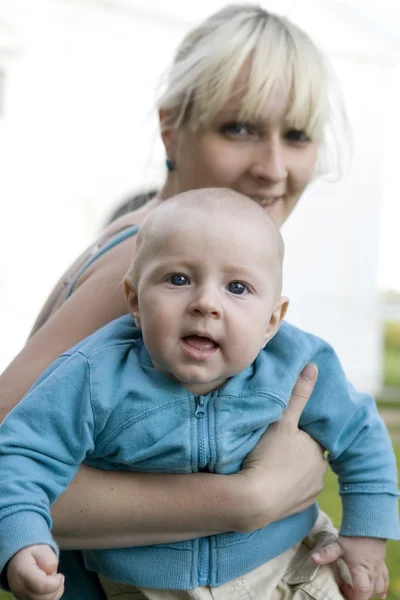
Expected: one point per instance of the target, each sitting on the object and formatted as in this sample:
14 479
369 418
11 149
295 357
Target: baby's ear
132 298
277 316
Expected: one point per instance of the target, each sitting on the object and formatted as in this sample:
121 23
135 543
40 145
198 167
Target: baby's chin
201 386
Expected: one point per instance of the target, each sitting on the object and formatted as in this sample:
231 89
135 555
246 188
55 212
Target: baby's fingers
39 584
328 555
382 584
39 587
363 586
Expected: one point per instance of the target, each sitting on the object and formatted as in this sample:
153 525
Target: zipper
203 454
202 431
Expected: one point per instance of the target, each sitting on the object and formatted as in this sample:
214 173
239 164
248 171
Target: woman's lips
268 202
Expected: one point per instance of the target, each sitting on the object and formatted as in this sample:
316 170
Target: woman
246 106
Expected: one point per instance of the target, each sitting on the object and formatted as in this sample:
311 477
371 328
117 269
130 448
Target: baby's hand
32 574
365 559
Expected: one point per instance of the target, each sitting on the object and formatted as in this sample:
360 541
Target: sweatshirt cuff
370 515
19 530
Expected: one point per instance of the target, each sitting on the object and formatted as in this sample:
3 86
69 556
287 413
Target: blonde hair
283 60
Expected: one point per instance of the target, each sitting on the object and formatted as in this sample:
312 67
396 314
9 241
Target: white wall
78 135
333 242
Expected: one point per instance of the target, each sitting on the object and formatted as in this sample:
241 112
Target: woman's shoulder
116 241
115 247
130 219
109 256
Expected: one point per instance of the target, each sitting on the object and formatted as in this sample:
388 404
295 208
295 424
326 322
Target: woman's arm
97 301
282 475
119 509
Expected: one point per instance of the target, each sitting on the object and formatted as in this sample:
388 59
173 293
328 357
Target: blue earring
170 165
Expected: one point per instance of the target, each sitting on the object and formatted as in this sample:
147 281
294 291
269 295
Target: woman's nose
269 165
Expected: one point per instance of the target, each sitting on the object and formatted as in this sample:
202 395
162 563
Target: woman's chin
279 211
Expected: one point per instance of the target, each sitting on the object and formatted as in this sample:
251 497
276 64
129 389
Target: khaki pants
290 576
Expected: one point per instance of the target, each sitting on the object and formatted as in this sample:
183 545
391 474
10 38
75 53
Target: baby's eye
297 135
238 288
178 279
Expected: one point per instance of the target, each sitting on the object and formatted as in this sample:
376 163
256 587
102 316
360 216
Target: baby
188 384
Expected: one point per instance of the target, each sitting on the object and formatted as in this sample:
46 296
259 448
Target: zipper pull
200 410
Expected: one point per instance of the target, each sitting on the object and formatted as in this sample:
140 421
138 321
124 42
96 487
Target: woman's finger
301 393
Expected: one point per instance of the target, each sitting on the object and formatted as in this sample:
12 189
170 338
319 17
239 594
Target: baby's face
206 292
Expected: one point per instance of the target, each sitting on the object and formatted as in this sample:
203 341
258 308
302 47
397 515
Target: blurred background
78 136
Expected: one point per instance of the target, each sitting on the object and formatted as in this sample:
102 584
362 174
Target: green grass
391 368
388 403
329 501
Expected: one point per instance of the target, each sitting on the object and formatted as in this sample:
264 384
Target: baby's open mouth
201 343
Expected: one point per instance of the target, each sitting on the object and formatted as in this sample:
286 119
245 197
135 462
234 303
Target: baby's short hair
216 203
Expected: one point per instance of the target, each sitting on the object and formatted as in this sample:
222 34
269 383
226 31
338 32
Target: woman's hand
285 470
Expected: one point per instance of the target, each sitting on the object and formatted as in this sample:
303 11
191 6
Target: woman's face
265 160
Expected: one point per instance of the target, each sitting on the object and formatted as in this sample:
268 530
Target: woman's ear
168 133
277 316
132 299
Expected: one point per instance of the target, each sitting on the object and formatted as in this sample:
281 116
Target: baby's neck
201 389
198 389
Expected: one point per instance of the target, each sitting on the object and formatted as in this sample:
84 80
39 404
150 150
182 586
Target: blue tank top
98 251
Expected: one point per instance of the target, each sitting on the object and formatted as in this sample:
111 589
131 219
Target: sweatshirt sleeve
42 443
347 424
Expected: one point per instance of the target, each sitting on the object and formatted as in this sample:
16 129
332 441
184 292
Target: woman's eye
297 135
179 279
236 129
235 287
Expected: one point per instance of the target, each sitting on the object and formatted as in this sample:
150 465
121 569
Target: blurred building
78 134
